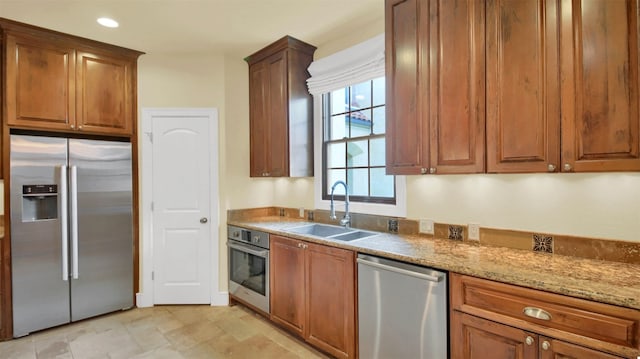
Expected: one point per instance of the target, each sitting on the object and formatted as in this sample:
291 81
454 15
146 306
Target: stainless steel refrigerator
71 230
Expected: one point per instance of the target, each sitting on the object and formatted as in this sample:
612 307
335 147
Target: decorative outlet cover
542 243
456 233
393 225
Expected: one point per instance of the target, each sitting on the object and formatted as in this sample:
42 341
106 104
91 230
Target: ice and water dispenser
39 202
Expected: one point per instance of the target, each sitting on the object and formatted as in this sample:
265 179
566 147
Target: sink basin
332 232
353 235
319 230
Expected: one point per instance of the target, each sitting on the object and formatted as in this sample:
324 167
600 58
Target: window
354 143
349 131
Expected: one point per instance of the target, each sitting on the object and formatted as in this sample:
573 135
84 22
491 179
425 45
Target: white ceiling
192 26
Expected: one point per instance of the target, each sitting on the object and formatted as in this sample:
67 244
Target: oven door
249 274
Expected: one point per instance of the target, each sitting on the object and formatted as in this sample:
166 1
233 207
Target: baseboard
220 299
143 300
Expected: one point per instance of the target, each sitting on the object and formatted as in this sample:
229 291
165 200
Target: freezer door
40 295
103 268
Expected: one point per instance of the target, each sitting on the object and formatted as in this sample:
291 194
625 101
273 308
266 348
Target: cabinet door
556 349
600 99
407 52
40 84
268 117
331 300
278 149
287 280
477 338
435 86
456 96
258 119
523 106
105 94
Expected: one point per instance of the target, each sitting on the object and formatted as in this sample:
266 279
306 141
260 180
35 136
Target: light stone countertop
602 281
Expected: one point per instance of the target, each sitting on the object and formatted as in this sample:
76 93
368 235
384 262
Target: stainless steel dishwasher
402 310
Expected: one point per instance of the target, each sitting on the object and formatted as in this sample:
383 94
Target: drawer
544 312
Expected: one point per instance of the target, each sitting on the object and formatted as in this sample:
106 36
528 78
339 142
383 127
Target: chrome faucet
346 220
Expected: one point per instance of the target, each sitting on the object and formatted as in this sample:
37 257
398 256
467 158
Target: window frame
399 209
326 142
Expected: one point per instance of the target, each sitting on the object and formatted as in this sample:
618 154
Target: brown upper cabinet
523 89
561 93
599 84
435 86
58 82
281 110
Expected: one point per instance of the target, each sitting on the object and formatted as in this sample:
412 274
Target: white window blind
362 62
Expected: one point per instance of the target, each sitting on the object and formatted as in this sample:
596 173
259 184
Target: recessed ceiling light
107 22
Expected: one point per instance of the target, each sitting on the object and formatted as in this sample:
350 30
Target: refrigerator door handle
64 222
74 221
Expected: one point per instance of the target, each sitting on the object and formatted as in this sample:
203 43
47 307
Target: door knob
203 220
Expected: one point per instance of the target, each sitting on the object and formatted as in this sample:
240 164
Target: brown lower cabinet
476 338
312 293
503 321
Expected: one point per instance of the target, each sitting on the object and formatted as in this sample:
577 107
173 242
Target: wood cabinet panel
278 150
600 99
331 300
62 83
280 110
456 89
258 110
407 132
435 86
105 94
287 280
556 349
523 106
599 327
40 83
477 338
313 294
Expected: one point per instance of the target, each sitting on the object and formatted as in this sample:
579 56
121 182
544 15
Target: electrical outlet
301 212
426 226
474 231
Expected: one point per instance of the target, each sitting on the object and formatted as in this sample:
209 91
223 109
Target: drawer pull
537 313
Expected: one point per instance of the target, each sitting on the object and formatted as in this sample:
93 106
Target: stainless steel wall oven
249 266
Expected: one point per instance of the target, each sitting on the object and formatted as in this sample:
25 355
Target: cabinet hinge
153 275
151 205
150 135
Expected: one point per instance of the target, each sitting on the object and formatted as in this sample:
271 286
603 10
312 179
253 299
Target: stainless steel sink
353 235
332 232
319 230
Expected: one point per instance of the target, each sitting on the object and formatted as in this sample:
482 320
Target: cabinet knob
529 340
423 171
546 345
551 167
73 126
567 167
80 127
432 170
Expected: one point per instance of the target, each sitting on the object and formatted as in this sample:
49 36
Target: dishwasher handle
431 278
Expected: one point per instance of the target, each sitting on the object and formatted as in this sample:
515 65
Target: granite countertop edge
601 281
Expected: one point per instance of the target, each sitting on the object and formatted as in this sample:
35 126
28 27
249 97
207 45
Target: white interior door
181 209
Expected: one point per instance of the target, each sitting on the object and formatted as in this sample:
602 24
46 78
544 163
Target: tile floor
163 332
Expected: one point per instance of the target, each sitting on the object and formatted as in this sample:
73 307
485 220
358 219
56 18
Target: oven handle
248 249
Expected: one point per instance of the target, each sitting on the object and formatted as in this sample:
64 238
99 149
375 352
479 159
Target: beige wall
596 205
593 205
184 80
